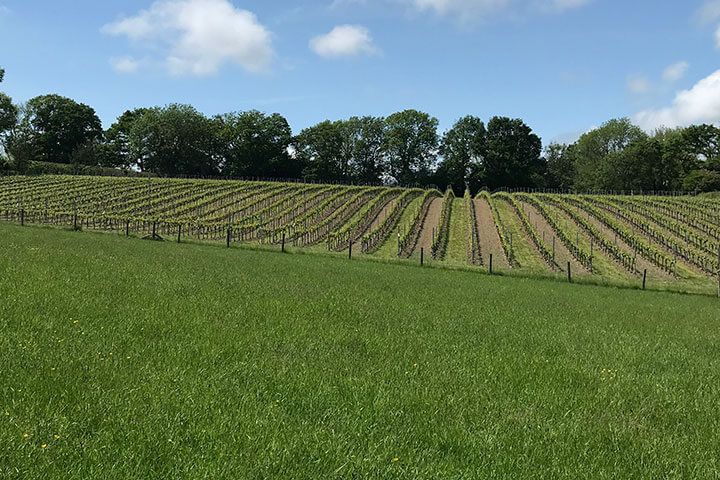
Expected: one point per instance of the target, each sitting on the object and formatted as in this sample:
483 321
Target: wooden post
282 245
179 232
569 274
228 239
491 264
350 249
553 248
718 269
154 230
422 256
644 278
22 217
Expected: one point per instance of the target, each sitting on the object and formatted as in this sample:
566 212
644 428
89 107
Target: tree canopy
403 148
56 126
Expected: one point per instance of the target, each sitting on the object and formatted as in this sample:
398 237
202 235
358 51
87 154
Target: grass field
130 359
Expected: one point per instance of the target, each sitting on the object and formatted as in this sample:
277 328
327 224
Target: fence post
644 278
282 247
22 217
350 249
127 228
229 236
568 272
491 264
422 256
179 232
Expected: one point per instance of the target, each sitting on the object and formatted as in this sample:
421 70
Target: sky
563 66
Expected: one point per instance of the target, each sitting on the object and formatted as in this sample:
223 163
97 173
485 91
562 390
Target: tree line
404 148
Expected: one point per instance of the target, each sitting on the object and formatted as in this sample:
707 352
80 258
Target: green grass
389 248
458 236
525 252
124 358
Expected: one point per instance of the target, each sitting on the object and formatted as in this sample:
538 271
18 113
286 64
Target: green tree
117 140
411 144
513 155
363 140
57 126
463 149
702 181
175 140
254 144
677 159
596 154
560 166
8 114
321 151
20 147
703 141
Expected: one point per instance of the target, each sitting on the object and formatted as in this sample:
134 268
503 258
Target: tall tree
363 139
560 166
117 138
175 140
597 151
57 126
8 114
463 149
19 146
703 141
676 160
411 144
254 144
513 154
321 150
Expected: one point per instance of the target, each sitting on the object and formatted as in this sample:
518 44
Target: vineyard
666 242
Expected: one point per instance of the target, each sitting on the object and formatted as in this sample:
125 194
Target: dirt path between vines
431 223
562 254
382 215
489 238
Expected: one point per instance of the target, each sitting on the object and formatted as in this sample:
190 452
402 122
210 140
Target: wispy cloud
125 64
639 84
474 9
675 72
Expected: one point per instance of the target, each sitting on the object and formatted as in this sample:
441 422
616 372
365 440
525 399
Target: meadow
131 359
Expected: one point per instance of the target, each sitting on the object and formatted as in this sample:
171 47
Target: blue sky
563 66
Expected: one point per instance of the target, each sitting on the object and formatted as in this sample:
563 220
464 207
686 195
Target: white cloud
700 104
344 41
638 84
675 72
125 64
199 36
